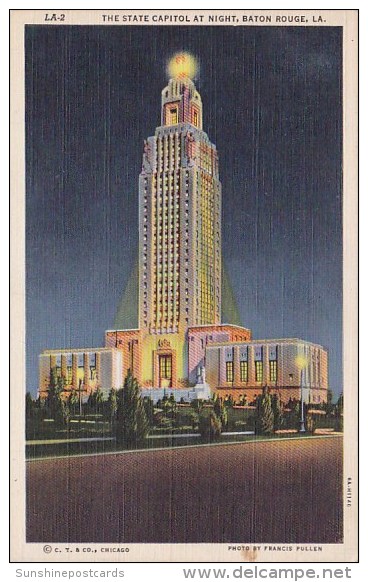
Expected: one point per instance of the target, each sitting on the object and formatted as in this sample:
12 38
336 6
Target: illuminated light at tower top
182 66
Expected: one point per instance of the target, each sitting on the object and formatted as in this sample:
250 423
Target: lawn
109 444
94 433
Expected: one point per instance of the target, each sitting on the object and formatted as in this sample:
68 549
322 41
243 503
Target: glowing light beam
182 66
301 361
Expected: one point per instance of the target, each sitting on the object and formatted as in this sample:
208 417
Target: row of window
259 372
168 152
205 248
157 176
172 115
69 373
165 138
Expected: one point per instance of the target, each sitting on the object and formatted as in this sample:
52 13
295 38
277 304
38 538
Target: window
243 371
165 367
259 371
69 375
273 370
229 371
195 118
173 116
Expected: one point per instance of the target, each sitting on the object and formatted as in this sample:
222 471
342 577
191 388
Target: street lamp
301 363
80 390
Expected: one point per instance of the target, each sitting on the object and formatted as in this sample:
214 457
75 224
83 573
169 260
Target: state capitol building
181 346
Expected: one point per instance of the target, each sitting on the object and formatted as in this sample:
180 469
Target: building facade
242 369
84 370
180 343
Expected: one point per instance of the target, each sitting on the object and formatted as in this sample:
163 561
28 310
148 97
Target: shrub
220 411
73 402
31 407
264 414
278 416
131 421
149 409
339 423
95 401
188 418
229 400
197 404
164 422
339 414
210 427
240 425
310 424
112 404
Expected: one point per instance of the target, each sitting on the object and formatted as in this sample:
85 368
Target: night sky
272 105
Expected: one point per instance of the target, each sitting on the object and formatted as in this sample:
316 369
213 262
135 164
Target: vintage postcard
184 286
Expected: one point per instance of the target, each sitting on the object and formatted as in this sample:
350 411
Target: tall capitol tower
179 214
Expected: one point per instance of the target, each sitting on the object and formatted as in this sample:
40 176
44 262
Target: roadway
284 491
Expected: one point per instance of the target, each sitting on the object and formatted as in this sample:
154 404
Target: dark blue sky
272 105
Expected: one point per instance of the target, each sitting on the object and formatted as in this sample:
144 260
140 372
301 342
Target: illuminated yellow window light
273 371
243 371
259 371
229 371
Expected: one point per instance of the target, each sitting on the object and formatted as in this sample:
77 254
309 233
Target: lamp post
301 362
80 390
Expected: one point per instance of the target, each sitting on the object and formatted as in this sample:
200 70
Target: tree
264 414
339 414
63 414
131 421
113 404
53 393
99 398
329 406
278 414
294 418
220 410
149 409
310 423
95 400
58 410
210 427
73 401
197 404
169 406
31 406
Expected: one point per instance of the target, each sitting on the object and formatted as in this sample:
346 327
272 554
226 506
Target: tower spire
181 103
